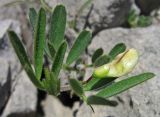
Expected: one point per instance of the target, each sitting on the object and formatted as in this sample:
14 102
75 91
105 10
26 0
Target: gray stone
5 82
142 100
4 27
54 108
8 12
105 13
9 64
19 12
13 9
72 6
23 98
18 96
7 53
71 36
109 13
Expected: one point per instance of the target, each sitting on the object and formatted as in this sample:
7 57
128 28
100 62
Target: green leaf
95 100
102 60
117 49
58 61
76 87
21 53
57 26
39 42
123 85
132 18
52 50
51 83
79 46
144 21
97 54
96 84
137 20
47 51
33 17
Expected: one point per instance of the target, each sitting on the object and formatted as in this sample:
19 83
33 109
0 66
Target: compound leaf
21 53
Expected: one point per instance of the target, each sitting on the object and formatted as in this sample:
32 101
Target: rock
109 13
5 82
7 12
7 53
5 2
13 9
19 10
53 107
142 100
71 36
8 60
16 90
23 98
72 6
10 69
5 24
147 6
105 14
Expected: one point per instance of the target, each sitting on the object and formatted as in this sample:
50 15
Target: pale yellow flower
121 65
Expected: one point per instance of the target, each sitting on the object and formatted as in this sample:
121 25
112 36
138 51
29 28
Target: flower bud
121 65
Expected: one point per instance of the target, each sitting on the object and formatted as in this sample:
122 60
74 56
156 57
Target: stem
84 82
45 6
69 68
92 108
67 87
